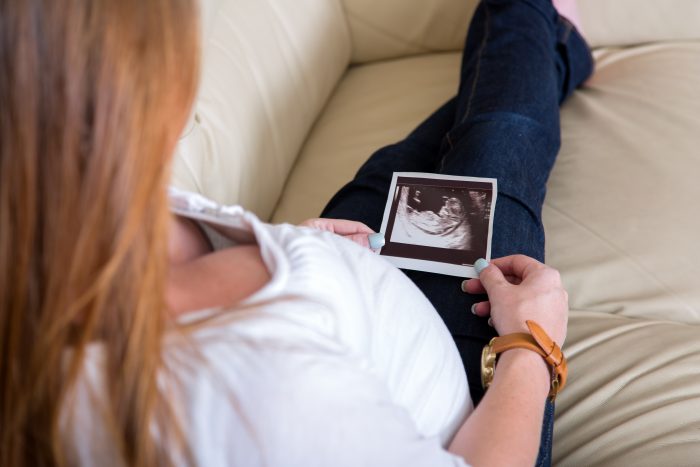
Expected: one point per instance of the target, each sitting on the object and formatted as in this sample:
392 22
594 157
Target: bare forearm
186 241
219 279
505 428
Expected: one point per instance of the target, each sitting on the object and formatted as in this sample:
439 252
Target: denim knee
516 149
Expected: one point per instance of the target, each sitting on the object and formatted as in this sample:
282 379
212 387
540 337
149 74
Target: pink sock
569 10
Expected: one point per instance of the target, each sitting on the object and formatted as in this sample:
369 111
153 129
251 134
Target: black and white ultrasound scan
439 223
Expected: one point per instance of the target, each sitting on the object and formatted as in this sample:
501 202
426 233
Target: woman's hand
519 289
504 429
352 230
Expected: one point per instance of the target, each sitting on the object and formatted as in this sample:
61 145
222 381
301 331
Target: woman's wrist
529 367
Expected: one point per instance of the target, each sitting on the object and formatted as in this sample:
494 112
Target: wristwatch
539 342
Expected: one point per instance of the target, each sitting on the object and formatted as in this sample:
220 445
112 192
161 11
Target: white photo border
436 266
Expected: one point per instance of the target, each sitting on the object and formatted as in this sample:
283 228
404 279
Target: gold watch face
488 366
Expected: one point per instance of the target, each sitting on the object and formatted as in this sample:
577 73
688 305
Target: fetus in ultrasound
433 217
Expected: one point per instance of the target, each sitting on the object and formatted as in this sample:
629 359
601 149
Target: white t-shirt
338 361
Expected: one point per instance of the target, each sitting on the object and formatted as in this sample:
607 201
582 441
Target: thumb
359 238
373 241
491 277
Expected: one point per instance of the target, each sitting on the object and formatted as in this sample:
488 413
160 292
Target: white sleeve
217 240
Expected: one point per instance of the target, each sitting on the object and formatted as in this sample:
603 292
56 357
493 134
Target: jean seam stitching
487 33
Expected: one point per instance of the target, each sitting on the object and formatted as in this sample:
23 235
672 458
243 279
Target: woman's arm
506 426
216 280
200 278
186 241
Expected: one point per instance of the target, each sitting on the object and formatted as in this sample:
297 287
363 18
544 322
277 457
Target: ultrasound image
439 217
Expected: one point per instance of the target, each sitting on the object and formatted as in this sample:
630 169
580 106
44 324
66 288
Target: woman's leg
523 61
520 61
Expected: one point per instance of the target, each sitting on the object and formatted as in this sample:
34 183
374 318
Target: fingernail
464 286
480 265
376 241
490 322
474 309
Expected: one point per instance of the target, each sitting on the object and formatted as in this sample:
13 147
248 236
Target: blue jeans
521 61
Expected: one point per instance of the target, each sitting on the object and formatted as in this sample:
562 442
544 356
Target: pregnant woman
129 336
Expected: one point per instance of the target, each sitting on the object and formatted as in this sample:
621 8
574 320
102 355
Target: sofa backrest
395 28
268 69
631 22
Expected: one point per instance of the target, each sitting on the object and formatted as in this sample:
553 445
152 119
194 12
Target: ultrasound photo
438 223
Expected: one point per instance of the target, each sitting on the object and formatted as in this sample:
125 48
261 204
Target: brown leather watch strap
518 340
538 342
554 356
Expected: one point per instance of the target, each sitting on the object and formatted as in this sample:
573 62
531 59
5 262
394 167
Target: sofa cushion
633 395
397 28
374 105
268 69
621 215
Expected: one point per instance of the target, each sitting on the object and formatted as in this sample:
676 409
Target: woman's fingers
482 309
492 278
521 289
361 239
352 230
473 286
517 265
338 226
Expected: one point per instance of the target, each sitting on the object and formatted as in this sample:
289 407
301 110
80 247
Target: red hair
94 94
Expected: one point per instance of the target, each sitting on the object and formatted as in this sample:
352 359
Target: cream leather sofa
296 94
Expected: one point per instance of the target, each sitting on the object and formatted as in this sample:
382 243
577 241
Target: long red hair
93 96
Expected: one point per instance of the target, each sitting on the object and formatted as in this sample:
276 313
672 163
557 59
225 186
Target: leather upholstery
629 22
397 28
374 105
269 67
633 393
620 214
